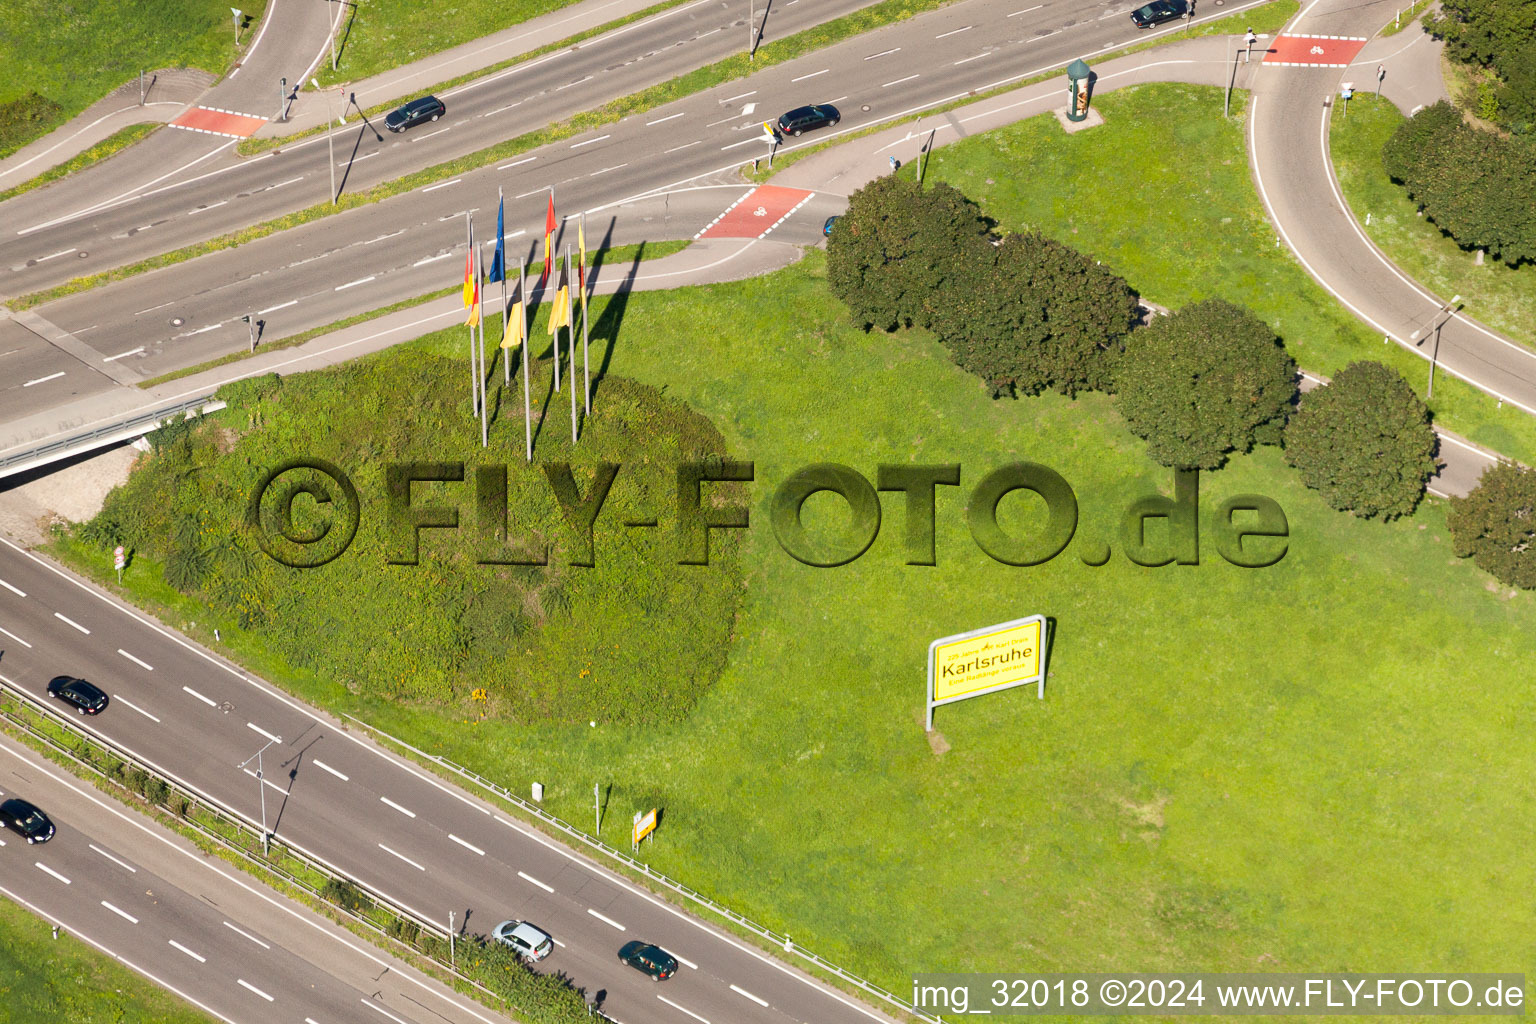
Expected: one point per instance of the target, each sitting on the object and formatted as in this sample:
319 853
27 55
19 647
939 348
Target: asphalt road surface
383 252
389 825
190 924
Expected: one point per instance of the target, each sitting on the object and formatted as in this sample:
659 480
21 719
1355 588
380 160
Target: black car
20 816
1159 11
648 959
84 697
428 108
803 119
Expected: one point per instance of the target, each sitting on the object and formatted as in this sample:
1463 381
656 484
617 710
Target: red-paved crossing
1313 51
757 213
219 122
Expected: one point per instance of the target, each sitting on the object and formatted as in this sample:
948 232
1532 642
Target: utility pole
248 318
261 786
329 141
1434 354
282 99
141 88
751 33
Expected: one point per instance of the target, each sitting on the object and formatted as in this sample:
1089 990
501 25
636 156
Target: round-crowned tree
1495 525
1207 380
894 254
1037 314
1364 441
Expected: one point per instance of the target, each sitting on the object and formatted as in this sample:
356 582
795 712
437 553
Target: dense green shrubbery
1478 187
546 643
1495 525
1500 36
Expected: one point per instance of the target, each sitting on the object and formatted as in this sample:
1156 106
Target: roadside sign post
450 939
644 825
1381 74
597 809
236 12
987 660
1346 91
252 325
119 561
141 88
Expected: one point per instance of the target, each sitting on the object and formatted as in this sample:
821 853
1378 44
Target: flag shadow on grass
605 329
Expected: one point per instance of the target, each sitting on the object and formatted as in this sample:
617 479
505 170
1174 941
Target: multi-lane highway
194 926
391 826
379 253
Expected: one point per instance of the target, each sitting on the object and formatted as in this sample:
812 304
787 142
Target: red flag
549 238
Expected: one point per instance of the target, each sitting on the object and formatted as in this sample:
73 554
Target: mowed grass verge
74 54
1320 764
44 979
1496 294
1163 194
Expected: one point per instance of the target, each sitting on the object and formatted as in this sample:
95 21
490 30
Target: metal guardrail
687 893
118 430
235 819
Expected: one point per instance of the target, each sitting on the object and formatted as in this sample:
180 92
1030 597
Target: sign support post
987 660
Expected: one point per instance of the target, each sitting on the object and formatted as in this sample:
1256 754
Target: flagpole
548 256
570 330
474 388
522 290
480 308
506 360
586 369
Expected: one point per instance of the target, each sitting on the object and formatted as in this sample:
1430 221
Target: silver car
530 943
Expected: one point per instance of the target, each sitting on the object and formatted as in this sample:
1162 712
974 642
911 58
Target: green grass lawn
1320 765
44 980
1500 296
1162 193
74 53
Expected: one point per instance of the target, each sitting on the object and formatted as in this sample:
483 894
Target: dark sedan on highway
428 108
1159 11
78 694
803 119
26 820
648 959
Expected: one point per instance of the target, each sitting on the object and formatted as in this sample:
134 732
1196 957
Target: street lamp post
329 142
261 786
1434 353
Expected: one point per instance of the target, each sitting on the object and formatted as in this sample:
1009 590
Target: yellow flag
514 327
470 291
474 316
560 315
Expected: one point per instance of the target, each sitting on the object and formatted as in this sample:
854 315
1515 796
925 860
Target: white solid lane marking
281 305
669 117
200 697
954 32
402 856
403 810
195 956
606 920
44 867
898 81
256 728
422 138
517 163
120 913
432 259
7 586
54 256
813 74
743 992
247 985
44 380
146 666
468 846
365 156
124 355
70 621
13 636
114 860
210 206
600 138
442 184
683 1008
376 1006
529 878
498 110
327 768
364 280
242 931
119 698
